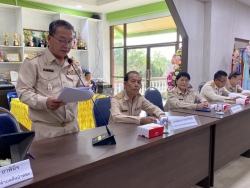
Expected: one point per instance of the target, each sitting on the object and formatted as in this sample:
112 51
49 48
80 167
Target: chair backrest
8 122
11 95
154 96
200 86
104 106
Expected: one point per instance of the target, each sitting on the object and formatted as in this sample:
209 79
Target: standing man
41 79
215 90
126 106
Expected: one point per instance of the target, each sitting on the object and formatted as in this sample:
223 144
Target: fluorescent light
78 6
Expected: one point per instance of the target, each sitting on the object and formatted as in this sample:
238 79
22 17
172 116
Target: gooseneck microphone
104 139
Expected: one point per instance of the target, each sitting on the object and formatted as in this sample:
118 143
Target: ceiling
149 25
97 6
105 6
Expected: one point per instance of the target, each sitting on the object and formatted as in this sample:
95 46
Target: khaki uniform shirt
41 77
235 89
124 110
188 100
212 93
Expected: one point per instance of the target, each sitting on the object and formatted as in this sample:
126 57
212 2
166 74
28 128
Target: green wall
137 11
40 6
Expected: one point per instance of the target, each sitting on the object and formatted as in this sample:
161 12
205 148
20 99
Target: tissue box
225 107
242 101
150 130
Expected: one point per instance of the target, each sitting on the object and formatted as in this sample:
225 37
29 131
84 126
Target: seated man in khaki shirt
183 97
215 90
126 106
232 84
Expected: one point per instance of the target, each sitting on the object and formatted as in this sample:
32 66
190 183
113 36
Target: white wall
105 56
230 20
212 28
192 15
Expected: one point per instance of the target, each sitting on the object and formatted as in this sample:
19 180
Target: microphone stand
103 139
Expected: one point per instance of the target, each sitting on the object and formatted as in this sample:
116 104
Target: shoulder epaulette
119 95
175 90
35 54
191 89
212 84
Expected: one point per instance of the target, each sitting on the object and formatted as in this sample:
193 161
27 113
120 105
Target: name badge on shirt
124 110
48 70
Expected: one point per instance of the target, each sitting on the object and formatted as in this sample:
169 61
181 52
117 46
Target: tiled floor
236 174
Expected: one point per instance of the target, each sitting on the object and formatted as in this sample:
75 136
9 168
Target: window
145 46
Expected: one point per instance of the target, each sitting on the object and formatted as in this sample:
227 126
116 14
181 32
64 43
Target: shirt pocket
50 82
72 80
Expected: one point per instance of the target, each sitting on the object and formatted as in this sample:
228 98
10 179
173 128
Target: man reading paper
42 78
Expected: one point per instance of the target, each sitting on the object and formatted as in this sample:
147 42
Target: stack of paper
77 94
233 95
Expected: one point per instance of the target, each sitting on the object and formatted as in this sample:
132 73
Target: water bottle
164 123
219 108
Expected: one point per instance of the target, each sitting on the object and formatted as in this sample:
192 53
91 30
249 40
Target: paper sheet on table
237 95
212 106
77 94
245 91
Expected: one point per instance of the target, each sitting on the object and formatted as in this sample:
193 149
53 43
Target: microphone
103 139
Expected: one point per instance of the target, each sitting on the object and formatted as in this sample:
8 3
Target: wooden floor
235 174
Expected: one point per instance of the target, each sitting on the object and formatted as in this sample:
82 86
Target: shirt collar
179 91
126 97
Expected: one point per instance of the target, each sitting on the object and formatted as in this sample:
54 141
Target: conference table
231 135
179 159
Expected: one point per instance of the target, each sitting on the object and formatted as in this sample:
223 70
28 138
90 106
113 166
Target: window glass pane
118 66
180 38
118 85
118 39
136 60
153 31
160 65
117 69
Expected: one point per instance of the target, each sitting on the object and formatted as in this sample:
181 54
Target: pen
29 154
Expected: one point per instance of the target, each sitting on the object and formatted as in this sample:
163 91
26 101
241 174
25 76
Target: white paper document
233 95
245 91
77 94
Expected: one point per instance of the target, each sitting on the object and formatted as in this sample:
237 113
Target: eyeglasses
184 81
223 82
64 42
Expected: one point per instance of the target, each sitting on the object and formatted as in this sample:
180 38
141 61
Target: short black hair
58 23
234 74
128 73
86 73
219 74
185 74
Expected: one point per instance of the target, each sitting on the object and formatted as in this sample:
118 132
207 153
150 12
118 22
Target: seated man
215 90
90 83
232 84
126 106
183 97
